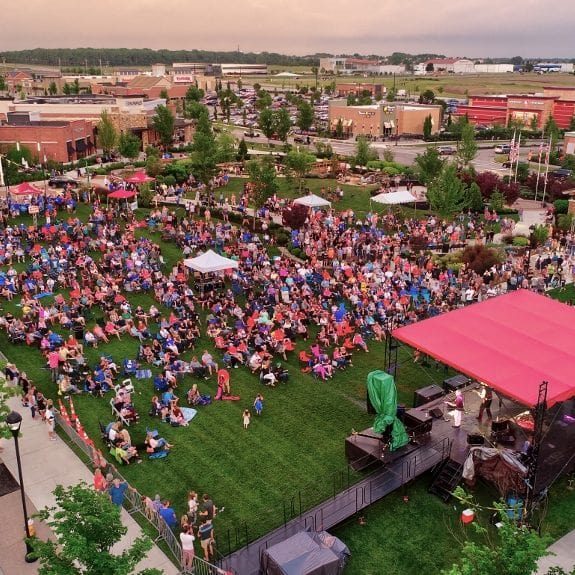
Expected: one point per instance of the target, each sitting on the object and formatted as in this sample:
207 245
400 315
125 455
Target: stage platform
365 448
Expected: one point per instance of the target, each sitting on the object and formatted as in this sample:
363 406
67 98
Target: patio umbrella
25 189
139 178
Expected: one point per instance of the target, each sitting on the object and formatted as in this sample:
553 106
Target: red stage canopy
121 195
139 178
512 343
25 189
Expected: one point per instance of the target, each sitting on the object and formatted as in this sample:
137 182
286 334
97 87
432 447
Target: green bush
564 222
561 206
520 241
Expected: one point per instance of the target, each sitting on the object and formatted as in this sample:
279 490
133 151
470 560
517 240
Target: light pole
14 421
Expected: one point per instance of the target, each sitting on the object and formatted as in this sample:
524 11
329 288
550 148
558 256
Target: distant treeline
146 57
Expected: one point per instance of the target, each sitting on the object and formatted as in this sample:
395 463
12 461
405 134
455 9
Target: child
247 416
259 403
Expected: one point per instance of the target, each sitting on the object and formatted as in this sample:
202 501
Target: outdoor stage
362 450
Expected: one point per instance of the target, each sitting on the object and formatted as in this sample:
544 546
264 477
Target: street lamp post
14 421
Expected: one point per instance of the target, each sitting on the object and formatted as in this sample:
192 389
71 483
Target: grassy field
295 448
443 85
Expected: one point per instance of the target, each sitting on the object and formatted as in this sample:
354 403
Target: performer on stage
459 407
486 395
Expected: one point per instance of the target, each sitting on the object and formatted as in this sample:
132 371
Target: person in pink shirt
53 363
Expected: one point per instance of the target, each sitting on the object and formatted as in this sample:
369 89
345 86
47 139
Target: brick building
557 102
60 141
357 88
382 119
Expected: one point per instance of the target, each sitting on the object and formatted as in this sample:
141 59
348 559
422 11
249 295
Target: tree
447 194
193 110
3 86
87 525
339 129
297 165
67 90
475 198
551 130
266 122
427 127
153 166
282 124
263 177
76 86
295 216
264 100
204 151
163 122
427 97
129 145
242 154
194 94
226 148
429 67
164 94
364 152
572 124
514 551
107 134
52 89
468 146
305 116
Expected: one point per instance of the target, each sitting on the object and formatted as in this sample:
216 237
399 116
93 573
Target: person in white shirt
187 539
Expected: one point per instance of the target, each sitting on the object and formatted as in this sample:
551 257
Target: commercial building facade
384 119
557 102
59 141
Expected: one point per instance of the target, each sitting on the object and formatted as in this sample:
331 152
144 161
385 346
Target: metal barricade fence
135 503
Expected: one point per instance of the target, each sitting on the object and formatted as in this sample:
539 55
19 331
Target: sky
472 28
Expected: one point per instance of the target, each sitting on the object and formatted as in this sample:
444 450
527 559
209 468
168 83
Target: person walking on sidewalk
50 419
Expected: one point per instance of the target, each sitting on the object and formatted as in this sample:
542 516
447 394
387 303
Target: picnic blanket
143 373
188 413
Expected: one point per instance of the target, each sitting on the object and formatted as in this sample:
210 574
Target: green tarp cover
383 396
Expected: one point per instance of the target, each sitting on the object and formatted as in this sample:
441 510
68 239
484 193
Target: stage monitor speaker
426 394
475 439
436 413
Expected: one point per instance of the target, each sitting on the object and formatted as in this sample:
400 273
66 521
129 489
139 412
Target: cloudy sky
453 27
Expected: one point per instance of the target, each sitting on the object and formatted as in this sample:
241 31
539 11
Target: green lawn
296 447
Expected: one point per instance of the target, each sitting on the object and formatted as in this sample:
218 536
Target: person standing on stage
459 407
486 395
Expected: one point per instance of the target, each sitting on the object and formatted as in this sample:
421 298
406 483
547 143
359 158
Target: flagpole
538 170
517 149
546 170
511 154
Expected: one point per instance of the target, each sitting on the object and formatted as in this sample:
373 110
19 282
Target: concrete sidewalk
563 555
46 464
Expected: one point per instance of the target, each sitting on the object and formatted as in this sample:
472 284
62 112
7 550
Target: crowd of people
360 277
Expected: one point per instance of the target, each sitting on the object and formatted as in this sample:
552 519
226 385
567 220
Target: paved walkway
12 548
563 555
46 464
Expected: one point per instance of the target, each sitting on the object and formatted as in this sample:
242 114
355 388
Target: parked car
251 134
446 150
503 149
561 174
62 182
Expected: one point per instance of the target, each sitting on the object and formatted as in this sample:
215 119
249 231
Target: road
403 152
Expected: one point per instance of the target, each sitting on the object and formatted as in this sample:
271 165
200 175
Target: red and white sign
183 79
33 210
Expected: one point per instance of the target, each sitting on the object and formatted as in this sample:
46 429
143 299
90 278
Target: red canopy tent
512 343
25 189
121 195
139 178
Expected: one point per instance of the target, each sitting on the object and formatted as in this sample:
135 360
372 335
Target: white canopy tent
394 198
312 201
210 262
